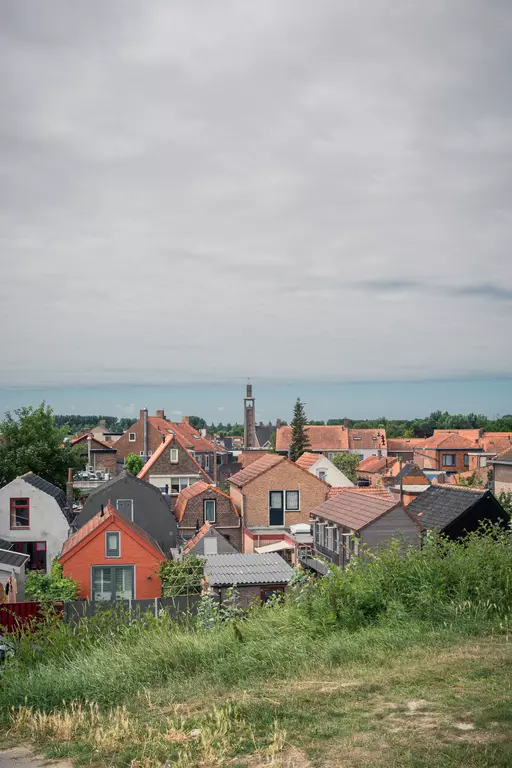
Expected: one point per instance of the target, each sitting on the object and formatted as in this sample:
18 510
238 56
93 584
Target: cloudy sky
205 191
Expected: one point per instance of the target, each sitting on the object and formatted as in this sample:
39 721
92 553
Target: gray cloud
202 190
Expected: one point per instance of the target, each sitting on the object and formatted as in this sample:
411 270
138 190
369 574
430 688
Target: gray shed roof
438 506
225 570
9 559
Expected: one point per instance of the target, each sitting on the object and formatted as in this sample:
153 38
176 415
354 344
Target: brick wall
124 446
184 466
502 478
249 594
78 566
228 523
434 460
105 461
286 476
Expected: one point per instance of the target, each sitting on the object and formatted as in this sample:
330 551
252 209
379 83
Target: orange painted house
113 559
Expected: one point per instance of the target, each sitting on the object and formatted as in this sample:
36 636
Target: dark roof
264 434
438 507
4 544
124 475
52 490
409 469
224 570
503 458
9 559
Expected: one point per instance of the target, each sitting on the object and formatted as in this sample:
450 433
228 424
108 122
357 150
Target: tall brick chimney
185 419
160 414
345 423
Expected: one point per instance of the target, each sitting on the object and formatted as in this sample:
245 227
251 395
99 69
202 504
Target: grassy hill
402 661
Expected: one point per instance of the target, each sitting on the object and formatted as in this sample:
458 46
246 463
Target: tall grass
397 599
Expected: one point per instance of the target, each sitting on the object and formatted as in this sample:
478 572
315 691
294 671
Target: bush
51 587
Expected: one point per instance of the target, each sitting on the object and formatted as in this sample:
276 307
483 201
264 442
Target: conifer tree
300 440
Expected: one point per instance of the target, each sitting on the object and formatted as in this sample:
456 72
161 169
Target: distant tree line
77 423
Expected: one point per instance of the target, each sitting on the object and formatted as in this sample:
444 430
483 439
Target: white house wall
333 475
47 521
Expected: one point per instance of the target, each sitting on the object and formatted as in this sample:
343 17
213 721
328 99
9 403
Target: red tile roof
374 465
161 448
307 460
481 474
109 514
355 510
366 439
249 457
199 535
470 434
320 438
504 456
191 438
194 490
403 444
83 438
496 442
377 492
447 440
256 469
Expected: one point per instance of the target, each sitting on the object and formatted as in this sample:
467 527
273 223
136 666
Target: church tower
249 419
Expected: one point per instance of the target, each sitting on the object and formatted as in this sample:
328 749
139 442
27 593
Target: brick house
373 467
208 541
445 452
113 559
360 517
172 468
403 447
270 495
336 439
502 471
202 503
103 455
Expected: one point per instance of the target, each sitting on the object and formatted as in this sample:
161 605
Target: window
125 507
316 530
132 437
335 540
292 503
113 582
328 538
269 592
449 459
179 483
142 453
207 461
175 485
321 474
150 453
321 534
112 544
466 459
174 455
20 513
209 510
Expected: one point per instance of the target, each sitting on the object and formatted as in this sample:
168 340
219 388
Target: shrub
50 587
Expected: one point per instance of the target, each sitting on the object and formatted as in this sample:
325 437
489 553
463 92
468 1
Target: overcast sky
198 191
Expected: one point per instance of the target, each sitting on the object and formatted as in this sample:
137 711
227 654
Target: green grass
403 661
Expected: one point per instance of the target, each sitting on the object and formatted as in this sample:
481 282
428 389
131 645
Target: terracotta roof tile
496 442
366 439
377 492
255 469
199 535
249 457
83 438
320 438
374 465
307 460
447 440
355 509
504 456
403 444
192 439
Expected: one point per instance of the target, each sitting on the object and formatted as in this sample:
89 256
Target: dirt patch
290 758
20 757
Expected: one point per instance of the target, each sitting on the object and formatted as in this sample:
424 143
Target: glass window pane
101 584
124 583
292 500
175 485
113 544
209 510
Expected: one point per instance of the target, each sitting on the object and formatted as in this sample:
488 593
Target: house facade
323 468
445 452
113 559
34 519
172 468
103 455
140 502
272 494
502 472
374 467
202 503
357 519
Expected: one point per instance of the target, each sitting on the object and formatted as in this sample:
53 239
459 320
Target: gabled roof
374 465
52 490
472 434
307 460
356 508
494 443
321 438
409 470
83 438
124 475
256 469
224 570
403 444
264 434
163 447
101 520
376 491
503 458
250 456
191 438
196 544
447 440
440 505
366 439
194 490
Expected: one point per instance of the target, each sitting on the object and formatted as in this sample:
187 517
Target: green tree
347 463
133 463
197 422
300 440
30 442
505 499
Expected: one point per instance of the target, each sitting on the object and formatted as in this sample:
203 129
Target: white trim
214 502
130 438
113 557
174 452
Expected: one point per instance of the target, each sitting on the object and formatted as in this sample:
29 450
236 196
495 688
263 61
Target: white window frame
174 453
336 539
286 509
205 503
141 454
207 461
113 533
117 506
150 453
329 538
132 436
320 473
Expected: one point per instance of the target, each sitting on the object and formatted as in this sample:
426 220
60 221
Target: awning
276 546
